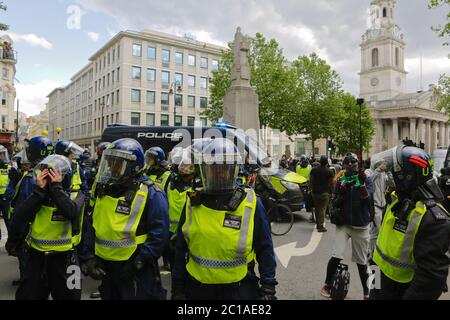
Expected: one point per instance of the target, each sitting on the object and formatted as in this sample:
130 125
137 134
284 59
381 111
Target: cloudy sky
55 38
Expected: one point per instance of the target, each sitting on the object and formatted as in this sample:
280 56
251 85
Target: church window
397 57
375 57
384 12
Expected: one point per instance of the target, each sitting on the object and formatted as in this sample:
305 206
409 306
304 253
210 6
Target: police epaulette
438 211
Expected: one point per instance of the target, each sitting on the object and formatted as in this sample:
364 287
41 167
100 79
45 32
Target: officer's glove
95 268
11 248
267 292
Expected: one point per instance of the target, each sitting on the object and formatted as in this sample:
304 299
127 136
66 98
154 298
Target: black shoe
321 229
15 283
95 295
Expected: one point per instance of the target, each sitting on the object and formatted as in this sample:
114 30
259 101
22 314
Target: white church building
397 114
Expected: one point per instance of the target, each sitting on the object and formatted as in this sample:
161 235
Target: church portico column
441 135
427 135
420 130
447 132
378 136
412 129
434 126
395 131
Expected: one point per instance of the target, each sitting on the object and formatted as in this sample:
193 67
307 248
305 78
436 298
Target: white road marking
4 233
287 251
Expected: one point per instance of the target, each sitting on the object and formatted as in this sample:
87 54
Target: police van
286 183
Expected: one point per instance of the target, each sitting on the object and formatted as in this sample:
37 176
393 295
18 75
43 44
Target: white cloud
31 39
93 36
33 97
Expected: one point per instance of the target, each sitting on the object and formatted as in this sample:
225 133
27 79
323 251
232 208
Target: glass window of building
136 73
191 81
151 74
179 100
179 79
203 83
150 119
165 55
191 60
164 98
151 53
215 64
178 58
203 102
203 121
137 50
204 63
191 121
151 97
165 77
135 95
164 120
178 121
191 101
135 119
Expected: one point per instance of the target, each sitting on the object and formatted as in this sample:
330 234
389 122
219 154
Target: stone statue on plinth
240 105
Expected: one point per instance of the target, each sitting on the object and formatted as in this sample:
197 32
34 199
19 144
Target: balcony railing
8 55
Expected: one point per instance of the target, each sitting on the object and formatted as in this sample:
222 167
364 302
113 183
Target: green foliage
347 137
317 90
3 27
442 31
442 93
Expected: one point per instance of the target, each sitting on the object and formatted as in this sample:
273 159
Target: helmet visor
114 167
54 162
76 150
4 156
389 159
218 178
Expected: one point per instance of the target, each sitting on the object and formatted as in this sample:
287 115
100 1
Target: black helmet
412 169
304 161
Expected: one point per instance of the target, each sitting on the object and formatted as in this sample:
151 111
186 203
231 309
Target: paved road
301 280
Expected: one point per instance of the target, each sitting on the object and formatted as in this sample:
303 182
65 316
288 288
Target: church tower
383 74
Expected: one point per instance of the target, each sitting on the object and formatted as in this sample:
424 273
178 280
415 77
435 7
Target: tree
347 135
442 31
318 88
442 90
269 75
3 27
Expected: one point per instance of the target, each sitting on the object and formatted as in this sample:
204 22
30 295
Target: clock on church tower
383 72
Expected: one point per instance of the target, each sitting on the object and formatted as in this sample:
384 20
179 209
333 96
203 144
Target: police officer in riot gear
229 231
412 247
36 149
156 166
130 222
54 213
5 168
73 151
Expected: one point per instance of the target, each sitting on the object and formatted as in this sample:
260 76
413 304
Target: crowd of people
116 217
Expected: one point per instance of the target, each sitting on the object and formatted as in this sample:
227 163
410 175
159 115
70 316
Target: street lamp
360 102
175 86
102 104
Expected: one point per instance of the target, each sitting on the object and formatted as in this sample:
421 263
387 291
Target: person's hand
267 292
95 269
41 180
55 176
362 176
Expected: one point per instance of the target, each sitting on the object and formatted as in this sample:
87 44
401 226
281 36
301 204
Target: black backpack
340 283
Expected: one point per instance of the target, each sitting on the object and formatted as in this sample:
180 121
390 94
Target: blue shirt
262 246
